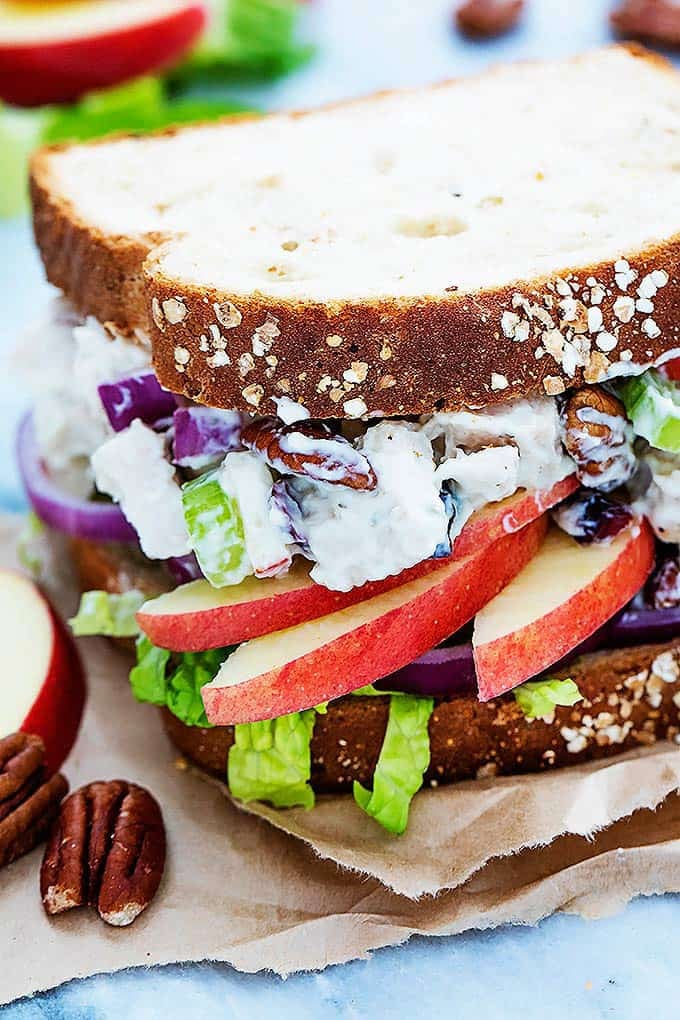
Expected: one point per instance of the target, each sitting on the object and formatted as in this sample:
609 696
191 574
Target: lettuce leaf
107 615
271 760
163 678
245 38
21 131
147 678
404 757
31 549
537 698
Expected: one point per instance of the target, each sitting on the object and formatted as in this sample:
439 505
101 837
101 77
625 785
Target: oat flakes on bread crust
412 344
632 698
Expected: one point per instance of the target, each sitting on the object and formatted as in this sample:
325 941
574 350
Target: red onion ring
83 518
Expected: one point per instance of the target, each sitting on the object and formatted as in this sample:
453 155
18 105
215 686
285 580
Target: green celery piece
216 534
21 132
101 613
537 698
653 405
271 760
404 757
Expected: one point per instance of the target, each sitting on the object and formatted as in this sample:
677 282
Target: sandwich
364 424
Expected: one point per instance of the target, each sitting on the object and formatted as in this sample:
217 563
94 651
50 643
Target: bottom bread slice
631 698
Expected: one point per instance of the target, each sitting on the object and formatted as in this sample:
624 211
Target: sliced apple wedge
54 52
323 659
560 598
196 616
43 688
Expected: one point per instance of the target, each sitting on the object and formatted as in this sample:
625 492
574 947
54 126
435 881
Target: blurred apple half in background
55 52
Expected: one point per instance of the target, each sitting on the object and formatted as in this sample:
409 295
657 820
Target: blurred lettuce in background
245 39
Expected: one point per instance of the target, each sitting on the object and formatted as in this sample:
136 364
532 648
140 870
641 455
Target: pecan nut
648 19
29 801
309 448
106 850
598 437
488 17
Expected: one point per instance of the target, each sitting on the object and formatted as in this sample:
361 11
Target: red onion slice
437 673
136 396
83 518
205 434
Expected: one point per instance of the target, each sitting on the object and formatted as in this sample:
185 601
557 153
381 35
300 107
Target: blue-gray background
624 967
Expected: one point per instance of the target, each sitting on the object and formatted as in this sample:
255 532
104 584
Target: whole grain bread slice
488 238
631 698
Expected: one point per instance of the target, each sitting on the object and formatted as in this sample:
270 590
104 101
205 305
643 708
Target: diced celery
653 405
215 527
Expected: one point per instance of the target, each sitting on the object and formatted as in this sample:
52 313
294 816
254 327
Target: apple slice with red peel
196 616
55 52
43 687
560 598
323 659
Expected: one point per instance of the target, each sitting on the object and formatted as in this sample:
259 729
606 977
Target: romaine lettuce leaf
537 698
107 615
403 759
271 760
147 678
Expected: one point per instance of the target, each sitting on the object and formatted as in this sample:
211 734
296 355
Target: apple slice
43 688
55 52
563 596
196 616
323 659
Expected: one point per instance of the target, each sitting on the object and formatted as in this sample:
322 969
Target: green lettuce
245 38
271 760
31 551
175 681
404 757
537 698
107 615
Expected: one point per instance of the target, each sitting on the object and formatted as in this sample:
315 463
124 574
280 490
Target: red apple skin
381 645
515 657
57 711
229 625
62 71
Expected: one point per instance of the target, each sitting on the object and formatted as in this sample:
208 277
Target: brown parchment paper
238 889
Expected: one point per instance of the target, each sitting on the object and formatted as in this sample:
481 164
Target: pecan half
599 438
28 801
648 19
106 850
309 448
488 17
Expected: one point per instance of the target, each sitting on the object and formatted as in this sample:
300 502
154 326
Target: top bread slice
489 238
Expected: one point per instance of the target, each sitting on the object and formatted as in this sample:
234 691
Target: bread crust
418 355
629 701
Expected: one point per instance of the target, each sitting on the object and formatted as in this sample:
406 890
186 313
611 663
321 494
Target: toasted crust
423 354
629 700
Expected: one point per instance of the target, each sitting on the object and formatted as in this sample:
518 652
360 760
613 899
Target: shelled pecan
309 448
29 801
106 850
488 17
599 438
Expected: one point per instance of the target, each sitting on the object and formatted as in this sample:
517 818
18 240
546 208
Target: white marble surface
623 967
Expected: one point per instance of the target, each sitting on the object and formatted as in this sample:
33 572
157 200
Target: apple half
196 616
43 687
561 597
323 659
55 52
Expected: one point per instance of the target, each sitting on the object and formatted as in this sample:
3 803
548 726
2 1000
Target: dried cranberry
592 516
662 590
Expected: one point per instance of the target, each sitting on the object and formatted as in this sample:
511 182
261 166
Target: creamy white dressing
661 502
246 478
132 468
618 450
75 357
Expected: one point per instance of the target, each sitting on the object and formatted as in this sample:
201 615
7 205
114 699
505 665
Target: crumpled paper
240 890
